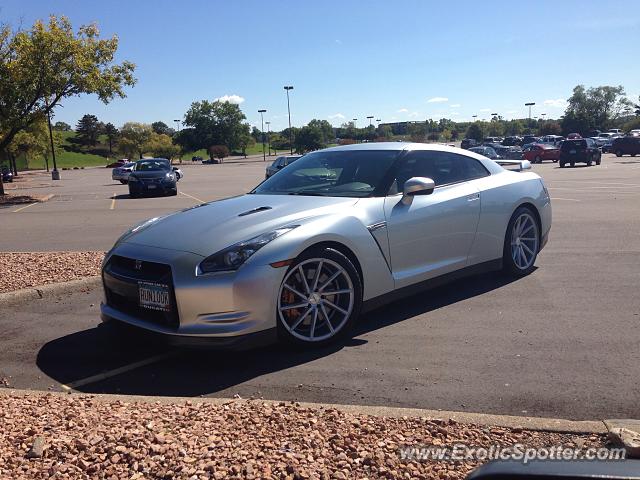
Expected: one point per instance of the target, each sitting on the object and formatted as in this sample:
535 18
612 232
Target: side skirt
394 295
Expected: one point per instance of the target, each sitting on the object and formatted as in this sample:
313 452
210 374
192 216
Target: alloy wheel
524 241
316 299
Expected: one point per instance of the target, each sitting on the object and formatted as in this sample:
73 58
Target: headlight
232 257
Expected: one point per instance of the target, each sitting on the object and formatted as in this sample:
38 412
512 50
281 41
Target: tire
572 163
320 318
633 154
133 195
618 153
589 162
537 160
521 243
562 164
124 182
599 160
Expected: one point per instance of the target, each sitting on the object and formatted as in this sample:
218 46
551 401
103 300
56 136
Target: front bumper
219 307
151 187
120 176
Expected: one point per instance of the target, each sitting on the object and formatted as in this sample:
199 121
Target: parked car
488 152
538 152
468 143
279 163
615 131
196 159
507 153
7 174
118 163
580 150
257 267
512 141
635 132
527 139
122 173
573 136
493 140
626 146
552 139
153 175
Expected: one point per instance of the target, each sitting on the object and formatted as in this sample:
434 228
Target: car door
433 235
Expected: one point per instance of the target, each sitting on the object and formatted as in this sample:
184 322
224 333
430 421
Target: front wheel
521 243
537 160
319 299
618 153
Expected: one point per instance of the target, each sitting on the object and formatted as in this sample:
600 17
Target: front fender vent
255 210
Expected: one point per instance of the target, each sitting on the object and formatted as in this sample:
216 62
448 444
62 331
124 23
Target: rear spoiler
519 164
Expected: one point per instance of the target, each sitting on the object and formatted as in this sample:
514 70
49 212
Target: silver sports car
339 231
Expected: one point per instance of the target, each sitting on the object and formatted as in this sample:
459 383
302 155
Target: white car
122 173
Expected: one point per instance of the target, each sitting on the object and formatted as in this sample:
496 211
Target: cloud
403 110
437 100
455 105
484 110
455 114
337 116
557 103
237 99
511 112
414 114
339 42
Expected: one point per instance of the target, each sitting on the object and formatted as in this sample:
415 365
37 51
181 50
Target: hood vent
255 210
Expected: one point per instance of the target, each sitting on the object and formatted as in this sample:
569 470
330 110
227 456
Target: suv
625 146
279 163
580 150
468 143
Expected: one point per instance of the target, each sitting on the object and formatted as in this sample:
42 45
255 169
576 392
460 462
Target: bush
218 151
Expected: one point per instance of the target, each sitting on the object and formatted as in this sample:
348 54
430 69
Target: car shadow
181 372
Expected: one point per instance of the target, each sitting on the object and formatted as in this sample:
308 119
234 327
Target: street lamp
55 174
287 88
378 121
370 117
264 154
269 136
474 116
530 104
177 124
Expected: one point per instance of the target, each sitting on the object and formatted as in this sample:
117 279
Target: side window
442 167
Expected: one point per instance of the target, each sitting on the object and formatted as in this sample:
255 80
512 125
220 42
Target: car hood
208 228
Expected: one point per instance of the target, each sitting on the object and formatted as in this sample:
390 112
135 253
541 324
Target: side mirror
175 169
417 186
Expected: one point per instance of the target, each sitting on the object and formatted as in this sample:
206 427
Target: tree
111 132
48 63
309 138
88 129
161 146
475 131
162 128
326 128
384 131
62 127
214 123
134 137
550 127
594 108
30 142
247 140
219 152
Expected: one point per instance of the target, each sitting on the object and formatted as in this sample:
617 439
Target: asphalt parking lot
562 342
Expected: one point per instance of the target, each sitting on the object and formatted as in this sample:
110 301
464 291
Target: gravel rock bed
29 269
71 436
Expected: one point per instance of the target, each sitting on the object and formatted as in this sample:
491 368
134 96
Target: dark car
512 141
279 163
151 176
625 146
488 152
467 143
7 174
527 139
196 159
580 150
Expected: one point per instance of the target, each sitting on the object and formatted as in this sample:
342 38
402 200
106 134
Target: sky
396 60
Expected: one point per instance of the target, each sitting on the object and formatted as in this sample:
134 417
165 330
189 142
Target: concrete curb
481 419
35 293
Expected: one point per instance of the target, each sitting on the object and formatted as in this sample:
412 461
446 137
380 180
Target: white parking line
116 371
26 206
566 199
191 196
113 201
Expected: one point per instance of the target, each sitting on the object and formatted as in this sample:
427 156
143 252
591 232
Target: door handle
473 197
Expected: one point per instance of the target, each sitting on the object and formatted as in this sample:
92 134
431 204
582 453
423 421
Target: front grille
120 277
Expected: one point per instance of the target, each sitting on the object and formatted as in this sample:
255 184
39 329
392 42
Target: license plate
572 152
154 296
151 187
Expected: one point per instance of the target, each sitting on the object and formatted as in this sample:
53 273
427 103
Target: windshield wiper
309 194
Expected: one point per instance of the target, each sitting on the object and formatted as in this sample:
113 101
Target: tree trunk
12 159
1 185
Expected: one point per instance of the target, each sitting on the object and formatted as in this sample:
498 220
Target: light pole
269 136
287 88
177 124
378 121
264 153
370 117
55 174
474 116
529 104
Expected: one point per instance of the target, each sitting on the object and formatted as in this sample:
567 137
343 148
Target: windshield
151 165
354 173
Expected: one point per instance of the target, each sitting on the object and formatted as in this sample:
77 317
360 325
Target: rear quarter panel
501 194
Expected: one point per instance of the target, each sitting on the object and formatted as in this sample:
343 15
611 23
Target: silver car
122 173
339 231
279 163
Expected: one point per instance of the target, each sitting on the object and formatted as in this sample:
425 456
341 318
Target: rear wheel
572 163
589 161
319 299
562 164
537 160
618 153
599 160
521 242
124 182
